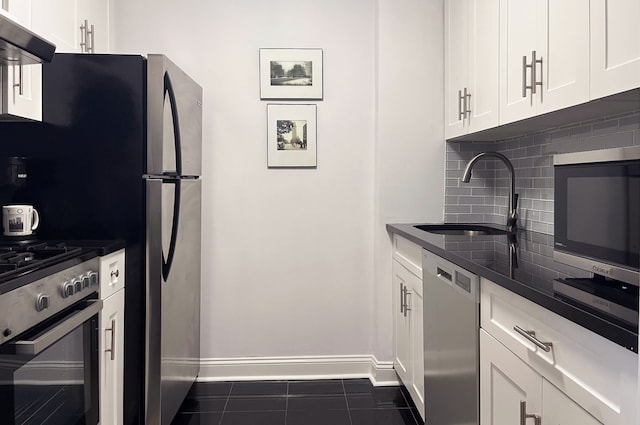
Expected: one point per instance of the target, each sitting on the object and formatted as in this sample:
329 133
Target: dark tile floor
326 402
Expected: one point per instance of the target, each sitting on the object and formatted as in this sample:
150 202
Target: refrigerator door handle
166 263
168 90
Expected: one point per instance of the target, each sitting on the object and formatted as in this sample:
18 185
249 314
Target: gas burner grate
19 259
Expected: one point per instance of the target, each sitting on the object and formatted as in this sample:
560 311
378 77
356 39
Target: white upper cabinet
96 14
23 82
74 26
484 25
615 46
471 65
57 21
456 64
544 56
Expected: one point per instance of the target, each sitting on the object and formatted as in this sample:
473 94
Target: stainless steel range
49 308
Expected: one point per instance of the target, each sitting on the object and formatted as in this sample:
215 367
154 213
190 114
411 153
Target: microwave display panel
597 211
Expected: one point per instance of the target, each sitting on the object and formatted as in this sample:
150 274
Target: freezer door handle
168 90
166 263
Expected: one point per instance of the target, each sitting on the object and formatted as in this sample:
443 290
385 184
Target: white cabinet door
96 12
58 22
24 82
518 38
484 39
564 47
417 347
456 65
557 408
112 359
505 381
471 65
615 46
402 356
558 33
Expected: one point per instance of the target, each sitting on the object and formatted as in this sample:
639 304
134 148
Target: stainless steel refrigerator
173 236
118 156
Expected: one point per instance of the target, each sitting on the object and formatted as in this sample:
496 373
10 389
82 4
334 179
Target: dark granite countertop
523 264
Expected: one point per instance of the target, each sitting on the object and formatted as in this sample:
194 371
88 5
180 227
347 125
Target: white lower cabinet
111 341
564 373
511 392
407 312
112 359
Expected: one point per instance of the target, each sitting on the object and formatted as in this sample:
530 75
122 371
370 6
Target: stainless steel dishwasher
451 342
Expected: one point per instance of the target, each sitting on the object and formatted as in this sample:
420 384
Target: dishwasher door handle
443 274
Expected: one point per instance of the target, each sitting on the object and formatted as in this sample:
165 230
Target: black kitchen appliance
118 156
597 229
597 210
13 179
49 332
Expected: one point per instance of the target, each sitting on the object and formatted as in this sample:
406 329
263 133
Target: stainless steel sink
460 229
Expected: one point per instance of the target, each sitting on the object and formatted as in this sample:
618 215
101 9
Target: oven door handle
51 336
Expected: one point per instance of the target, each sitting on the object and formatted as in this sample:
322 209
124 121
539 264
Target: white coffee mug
19 220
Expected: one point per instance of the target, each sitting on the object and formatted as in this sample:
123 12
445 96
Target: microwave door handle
51 336
168 91
166 263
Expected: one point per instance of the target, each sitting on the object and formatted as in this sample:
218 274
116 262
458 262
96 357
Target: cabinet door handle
534 79
531 337
537 419
406 305
17 69
401 298
83 37
91 42
467 103
112 329
461 99
524 76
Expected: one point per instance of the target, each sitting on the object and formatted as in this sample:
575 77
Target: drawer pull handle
531 336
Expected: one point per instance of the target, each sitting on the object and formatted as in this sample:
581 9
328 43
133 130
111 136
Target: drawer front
111 273
596 373
409 255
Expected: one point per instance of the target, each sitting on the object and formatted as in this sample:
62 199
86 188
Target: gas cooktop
17 259
22 262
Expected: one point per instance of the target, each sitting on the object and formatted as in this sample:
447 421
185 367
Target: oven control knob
93 278
86 282
78 285
68 289
42 302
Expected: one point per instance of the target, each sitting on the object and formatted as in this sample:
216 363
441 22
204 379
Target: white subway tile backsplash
485 197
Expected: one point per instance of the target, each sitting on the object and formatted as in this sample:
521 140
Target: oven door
49 375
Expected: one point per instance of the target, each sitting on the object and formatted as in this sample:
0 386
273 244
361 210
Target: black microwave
597 212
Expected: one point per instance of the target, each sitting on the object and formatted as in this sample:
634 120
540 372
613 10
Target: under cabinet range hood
20 49
19 46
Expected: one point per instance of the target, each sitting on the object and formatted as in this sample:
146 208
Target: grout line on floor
286 405
346 399
226 403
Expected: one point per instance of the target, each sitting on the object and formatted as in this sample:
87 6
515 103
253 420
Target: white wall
410 154
296 262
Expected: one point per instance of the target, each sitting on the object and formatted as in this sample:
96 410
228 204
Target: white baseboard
297 368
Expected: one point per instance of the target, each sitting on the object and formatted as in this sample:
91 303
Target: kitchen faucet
512 217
